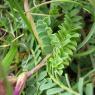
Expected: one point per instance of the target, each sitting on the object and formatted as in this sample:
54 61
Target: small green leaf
47 86
54 91
42 75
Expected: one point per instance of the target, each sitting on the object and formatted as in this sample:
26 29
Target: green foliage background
66 29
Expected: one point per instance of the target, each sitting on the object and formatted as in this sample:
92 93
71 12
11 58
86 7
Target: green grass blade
7 61
15 4
87 37
85 53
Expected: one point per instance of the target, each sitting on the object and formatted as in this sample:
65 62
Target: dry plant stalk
31 20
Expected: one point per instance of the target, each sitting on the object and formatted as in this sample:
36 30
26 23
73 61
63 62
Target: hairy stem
38 67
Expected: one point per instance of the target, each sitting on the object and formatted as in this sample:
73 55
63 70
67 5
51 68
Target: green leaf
54 91
89 89
66 93
42 75
47 86
80 86
44 32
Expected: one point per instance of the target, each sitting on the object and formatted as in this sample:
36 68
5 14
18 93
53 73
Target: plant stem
63 86
38 67
30 18
89 73
70 1
7 86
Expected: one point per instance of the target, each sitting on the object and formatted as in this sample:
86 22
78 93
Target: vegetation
47 47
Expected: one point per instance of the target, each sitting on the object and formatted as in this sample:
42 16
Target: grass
44 50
